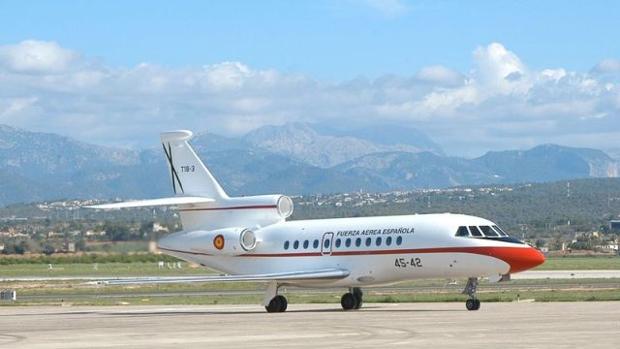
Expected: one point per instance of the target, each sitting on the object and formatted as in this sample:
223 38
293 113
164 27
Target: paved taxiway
510 325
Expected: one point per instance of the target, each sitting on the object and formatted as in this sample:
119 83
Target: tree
80 245
48 249
117 232
21 248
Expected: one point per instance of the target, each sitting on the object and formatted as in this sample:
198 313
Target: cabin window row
348 242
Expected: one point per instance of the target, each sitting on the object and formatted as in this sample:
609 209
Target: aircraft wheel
283 303
472 304
359 297
274 305
348 301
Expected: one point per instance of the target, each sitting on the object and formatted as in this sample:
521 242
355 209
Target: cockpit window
488 231
474 230
499 230
491 232
462 231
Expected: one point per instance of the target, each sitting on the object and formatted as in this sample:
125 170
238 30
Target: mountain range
294 158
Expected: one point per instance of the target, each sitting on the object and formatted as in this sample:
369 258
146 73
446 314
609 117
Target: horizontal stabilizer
286 276
173 201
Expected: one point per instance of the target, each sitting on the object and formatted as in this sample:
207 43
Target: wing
323 274
179 200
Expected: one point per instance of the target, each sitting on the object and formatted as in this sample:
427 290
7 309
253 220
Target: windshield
485 232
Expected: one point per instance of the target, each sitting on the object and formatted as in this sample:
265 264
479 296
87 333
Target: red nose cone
520 259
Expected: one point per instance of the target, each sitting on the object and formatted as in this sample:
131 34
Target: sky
474 75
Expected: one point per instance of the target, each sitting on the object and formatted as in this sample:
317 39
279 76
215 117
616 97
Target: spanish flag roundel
218 241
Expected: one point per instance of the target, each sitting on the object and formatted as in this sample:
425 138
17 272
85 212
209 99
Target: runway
510 325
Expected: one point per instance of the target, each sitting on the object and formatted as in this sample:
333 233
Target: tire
348 301
283 303
359 297
472 304
274 305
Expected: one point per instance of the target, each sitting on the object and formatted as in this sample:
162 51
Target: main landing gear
277 304
472 303
352 299
274 302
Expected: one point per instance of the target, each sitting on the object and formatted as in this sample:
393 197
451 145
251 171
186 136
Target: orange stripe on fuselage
519 258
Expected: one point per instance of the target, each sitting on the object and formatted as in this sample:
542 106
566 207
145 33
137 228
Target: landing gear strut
277 304
274 302
352 299
472 303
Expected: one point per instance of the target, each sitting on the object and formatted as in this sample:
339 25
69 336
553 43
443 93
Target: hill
42 166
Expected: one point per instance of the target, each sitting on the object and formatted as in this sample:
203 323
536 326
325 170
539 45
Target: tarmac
421 325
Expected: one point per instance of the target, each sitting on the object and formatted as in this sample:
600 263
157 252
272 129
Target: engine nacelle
230 241
221 242
246 211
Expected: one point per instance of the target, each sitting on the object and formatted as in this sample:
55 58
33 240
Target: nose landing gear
472 303
352 299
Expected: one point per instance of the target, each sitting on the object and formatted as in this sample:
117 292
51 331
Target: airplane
249 239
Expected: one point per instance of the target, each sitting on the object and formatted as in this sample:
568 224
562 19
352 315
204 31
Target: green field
581 263
97 270
152 269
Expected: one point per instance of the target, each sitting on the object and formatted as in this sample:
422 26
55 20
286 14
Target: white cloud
607 66
36 56
499 103
440 75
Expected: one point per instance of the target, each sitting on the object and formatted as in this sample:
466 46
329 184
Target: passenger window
338 243
488 231
326 243
368 241
306 243
315 244
358 242
474 231
499 230
399 240
462 231
378 241
296 244
388 240
347 243
286 244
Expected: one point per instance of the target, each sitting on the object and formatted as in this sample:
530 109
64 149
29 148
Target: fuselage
375 250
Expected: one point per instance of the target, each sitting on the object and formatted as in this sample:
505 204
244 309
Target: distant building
159 228
614 226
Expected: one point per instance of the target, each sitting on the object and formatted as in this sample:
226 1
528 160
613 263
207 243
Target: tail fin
190 177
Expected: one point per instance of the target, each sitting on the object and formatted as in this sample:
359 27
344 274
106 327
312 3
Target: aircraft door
326 244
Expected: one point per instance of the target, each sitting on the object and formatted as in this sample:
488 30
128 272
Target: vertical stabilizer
190 177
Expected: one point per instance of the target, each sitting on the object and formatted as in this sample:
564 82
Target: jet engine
246 211
227 241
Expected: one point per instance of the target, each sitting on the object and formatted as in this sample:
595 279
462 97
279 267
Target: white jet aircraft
249 239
